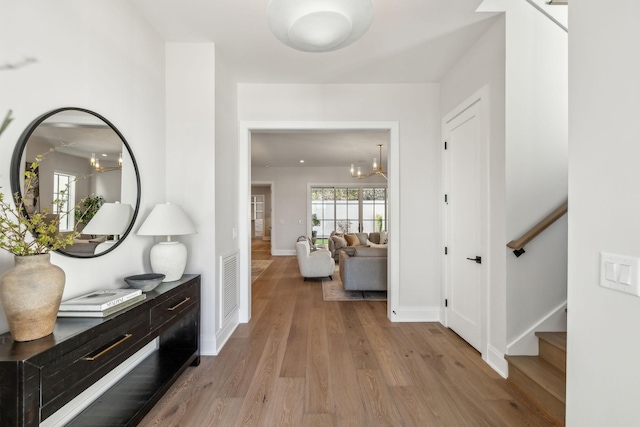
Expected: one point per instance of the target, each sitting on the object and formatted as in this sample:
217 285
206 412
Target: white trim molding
526 344
416 314
244 193
496 360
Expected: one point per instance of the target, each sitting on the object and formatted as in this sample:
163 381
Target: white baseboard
208 345
527 343
283 252
223 336
496 360
416 314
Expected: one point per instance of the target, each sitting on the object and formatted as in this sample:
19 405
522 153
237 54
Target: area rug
332 290
258 267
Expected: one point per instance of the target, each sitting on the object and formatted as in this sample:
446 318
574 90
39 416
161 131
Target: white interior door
464 219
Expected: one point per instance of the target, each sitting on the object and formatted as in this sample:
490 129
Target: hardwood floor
305 362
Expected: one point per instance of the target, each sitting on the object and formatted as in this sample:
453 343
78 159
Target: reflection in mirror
87 160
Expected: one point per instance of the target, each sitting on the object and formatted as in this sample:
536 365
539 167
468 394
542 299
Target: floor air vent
230 289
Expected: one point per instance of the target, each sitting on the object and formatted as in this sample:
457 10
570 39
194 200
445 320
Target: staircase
542 378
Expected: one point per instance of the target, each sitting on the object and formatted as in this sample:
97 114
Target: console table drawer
71 373
167 310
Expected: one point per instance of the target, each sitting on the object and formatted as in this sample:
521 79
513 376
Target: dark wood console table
39 377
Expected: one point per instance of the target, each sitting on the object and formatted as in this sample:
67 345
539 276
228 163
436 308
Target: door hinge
445 145
446 303
446 250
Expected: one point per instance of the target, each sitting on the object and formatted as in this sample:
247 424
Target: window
349 209
64 189
374 209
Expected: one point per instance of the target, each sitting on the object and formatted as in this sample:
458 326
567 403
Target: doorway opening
261 214
244 189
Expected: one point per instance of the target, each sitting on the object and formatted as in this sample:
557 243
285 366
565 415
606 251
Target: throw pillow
384 237
339 242
352 239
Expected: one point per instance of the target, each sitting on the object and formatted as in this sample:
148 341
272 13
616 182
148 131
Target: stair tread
546 375
558 339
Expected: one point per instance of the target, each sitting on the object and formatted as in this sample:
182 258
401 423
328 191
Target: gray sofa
336 244
365 270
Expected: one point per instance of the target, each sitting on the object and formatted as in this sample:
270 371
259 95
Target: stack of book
100 303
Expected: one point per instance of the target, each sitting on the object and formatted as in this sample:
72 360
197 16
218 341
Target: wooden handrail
518 244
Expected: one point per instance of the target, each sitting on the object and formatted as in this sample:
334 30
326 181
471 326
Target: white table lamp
112 219
168 257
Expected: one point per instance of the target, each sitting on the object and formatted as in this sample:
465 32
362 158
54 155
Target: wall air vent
229 278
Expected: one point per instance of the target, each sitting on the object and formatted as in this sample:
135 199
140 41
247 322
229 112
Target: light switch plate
621 273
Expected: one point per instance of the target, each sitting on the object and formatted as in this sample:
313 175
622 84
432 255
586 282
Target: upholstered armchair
314 264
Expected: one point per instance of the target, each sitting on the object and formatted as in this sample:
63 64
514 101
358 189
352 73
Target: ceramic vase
30 295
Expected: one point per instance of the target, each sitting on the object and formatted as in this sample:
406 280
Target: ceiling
410 41
319 148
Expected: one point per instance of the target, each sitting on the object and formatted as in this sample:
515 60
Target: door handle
477 259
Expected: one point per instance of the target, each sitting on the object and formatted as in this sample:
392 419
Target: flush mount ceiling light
319 25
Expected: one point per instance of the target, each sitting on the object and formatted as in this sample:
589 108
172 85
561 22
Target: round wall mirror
89 159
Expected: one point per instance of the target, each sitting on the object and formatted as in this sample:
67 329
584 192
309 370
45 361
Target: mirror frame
16 163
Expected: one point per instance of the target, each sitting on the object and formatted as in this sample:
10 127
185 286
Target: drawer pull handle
179 304
111 347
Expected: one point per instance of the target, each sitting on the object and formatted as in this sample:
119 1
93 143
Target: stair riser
550 404
554 355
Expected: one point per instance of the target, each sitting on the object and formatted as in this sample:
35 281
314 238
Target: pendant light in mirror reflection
168 257
109 158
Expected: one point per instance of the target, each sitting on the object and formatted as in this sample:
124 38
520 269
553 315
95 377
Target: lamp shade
167 219
111 218
319 25
170 257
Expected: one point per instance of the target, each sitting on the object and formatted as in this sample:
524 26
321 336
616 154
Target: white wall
415 107
536 162
604 94
484 64
291 189
190 164
226 184
100 55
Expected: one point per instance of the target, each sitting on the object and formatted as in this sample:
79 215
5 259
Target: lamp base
170 259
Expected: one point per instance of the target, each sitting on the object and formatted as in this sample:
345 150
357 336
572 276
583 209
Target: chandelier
377 168
319 25
95 163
